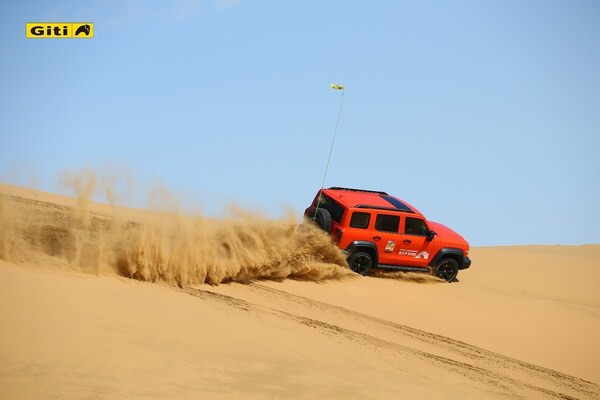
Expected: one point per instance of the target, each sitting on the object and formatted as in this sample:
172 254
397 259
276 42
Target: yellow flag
337 87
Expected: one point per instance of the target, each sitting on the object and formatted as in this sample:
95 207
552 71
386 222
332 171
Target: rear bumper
466 263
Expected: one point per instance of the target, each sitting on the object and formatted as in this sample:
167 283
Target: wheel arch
457 254
369 247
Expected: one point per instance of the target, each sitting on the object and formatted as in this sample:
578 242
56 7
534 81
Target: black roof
370 207
358 190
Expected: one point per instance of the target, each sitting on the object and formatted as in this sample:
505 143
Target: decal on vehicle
423 254
389 247
405 252
414 253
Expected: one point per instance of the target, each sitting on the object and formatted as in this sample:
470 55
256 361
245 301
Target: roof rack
358 190
368 206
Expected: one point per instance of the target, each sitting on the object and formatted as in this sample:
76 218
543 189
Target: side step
403 268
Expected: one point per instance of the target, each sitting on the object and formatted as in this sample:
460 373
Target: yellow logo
59 30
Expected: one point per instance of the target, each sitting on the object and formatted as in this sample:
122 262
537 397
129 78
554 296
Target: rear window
387 223
336 210
360 220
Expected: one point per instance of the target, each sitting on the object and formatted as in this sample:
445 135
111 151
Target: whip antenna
341 89
334 86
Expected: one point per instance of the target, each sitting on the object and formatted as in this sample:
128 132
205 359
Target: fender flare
363 244
456 254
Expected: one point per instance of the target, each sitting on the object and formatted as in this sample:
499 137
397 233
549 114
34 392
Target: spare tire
321 217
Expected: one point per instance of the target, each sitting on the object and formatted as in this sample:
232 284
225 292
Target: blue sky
485 115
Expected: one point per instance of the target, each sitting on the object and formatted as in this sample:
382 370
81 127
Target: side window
360 220
415 226
387 223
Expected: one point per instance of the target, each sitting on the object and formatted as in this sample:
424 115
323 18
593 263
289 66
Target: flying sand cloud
165 246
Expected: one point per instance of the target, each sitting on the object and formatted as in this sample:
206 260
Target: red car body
389 231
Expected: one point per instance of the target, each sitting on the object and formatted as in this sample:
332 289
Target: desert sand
99 301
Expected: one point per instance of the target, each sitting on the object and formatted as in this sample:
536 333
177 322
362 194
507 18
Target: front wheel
360 262
447 269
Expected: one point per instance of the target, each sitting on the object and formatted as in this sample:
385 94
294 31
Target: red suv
377 230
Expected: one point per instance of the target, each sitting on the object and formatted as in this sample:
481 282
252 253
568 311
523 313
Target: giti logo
59 30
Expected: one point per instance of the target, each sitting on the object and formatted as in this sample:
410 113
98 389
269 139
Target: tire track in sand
404 347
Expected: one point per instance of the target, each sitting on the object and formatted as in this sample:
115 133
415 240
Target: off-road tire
446 269
321 217
360 262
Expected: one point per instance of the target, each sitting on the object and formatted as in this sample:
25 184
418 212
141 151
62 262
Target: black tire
321 217
446 269
360 262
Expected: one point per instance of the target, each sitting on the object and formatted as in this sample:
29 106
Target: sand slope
535 303
522 323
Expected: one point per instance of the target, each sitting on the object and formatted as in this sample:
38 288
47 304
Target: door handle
376 237
407 241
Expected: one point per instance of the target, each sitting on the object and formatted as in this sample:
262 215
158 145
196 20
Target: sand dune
521 323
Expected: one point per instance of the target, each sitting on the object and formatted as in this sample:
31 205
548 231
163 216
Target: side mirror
430 235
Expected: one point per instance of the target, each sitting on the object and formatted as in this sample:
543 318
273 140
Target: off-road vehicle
377 230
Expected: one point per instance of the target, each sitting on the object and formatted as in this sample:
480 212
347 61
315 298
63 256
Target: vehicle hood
448 237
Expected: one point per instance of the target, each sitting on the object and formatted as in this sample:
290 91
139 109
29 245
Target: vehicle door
387 236
414 249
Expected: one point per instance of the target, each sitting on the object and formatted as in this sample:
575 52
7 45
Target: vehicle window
415 226
360 220
387 223
397 203
335 209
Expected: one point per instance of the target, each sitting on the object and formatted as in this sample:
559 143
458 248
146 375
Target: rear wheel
360 262
447 269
